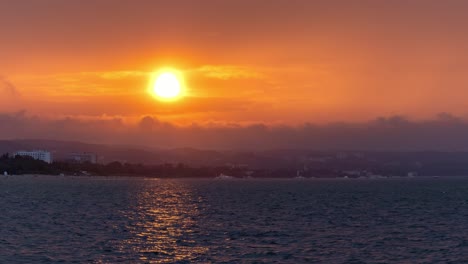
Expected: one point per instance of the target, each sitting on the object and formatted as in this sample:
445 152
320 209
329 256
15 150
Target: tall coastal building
43 155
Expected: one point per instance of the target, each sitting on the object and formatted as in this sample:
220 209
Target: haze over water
111 220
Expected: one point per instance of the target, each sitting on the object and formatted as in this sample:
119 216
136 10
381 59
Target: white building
36 154
82 157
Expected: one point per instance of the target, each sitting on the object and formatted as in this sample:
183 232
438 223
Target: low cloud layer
444 132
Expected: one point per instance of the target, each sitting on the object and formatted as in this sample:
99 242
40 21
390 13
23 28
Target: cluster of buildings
43 155
46 156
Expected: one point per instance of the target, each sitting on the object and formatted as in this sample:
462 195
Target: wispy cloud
8 87
226 72
117 74
71 77
85 83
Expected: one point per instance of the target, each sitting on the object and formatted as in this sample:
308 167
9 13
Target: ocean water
121 220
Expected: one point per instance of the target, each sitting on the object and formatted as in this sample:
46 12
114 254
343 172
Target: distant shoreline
233 178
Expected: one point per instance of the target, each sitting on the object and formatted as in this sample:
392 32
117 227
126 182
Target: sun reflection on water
163 225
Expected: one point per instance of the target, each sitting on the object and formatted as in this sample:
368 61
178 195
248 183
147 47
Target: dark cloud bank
444 133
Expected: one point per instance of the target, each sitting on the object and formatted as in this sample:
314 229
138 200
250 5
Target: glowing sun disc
167 86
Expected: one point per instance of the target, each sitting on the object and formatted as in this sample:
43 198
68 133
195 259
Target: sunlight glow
167 85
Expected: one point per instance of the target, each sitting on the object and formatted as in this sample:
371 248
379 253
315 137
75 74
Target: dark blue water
112 220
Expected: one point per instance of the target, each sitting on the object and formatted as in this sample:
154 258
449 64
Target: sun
167 85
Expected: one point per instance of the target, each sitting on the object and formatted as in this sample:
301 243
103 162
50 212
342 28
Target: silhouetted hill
109 153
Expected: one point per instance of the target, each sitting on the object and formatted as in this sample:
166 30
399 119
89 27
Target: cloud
120 74
226 72
444 132
8 87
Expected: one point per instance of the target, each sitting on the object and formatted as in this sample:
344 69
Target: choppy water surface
111 220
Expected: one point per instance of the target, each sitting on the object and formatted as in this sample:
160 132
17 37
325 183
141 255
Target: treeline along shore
348 168
21 165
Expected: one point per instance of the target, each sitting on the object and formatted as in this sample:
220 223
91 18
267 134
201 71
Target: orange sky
280 62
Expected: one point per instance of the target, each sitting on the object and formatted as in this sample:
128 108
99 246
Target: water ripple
118 220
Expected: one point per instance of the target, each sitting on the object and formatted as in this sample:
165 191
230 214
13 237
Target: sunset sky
281 63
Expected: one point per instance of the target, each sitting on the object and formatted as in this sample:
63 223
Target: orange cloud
226 72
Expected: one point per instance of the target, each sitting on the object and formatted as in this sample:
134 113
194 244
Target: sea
52 219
